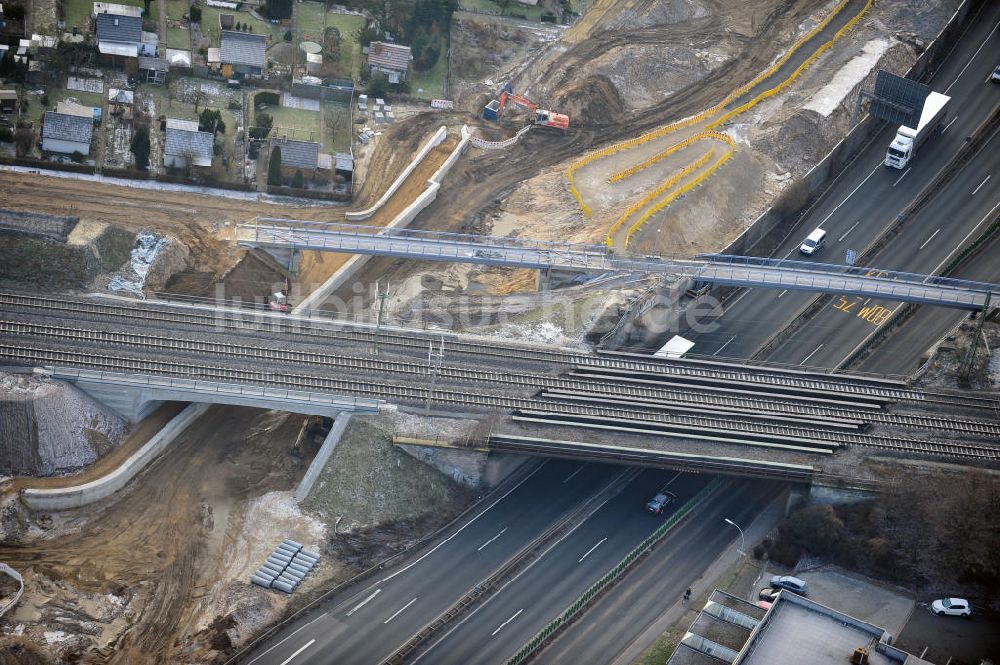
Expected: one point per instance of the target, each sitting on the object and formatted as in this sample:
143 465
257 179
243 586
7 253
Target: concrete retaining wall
434 141
81 495
323 456
787 208
346 271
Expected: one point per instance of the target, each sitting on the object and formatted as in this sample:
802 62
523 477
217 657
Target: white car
956 607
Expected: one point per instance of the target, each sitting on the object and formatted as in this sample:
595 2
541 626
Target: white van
815 240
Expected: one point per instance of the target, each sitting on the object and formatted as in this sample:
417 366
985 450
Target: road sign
851 257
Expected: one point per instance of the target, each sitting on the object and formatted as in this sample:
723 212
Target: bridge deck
719 269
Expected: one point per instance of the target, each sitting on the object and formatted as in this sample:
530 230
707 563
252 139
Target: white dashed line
301 649
949 124
846 233
902 176
726 344
483 546
811 355
399 611
500 627
587 553
364 602
931 238
981 184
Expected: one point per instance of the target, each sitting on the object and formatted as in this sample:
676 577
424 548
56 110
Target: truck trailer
904 147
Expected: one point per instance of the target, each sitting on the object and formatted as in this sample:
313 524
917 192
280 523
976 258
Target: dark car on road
659 502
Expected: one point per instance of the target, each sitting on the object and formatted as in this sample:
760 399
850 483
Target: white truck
904 147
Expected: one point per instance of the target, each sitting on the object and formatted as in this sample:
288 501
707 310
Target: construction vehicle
904 147
279 301
543 118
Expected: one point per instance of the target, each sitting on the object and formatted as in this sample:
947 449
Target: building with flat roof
793 631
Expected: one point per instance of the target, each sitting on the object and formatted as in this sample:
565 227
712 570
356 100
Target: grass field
36 108
210 25
176 9
430 84
295 123
78 11
337 129
179 38
313 19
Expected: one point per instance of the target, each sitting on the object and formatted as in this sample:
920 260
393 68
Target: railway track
890 390
651 400
420 394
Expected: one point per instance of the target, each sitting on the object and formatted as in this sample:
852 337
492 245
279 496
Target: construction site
639 128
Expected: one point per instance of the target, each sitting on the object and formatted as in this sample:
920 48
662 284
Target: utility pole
378 319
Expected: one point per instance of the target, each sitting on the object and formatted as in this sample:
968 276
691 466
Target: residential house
393 60
119 39
242 53
186 146
153 70
67 133
8 101
296 156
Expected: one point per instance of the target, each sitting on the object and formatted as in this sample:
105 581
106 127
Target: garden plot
118 141
85 84
288 100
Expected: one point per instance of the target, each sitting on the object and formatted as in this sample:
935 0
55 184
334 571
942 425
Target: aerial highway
948 220
657 583
868 196
365 624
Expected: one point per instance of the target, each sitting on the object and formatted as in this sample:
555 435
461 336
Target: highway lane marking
981 185
399 611
434 549
825 219
898 181
959 75
492 539
848 231
726 344
931 238
300 628
587 553
500 627
781 294
811 355
949 124
570 476
364 602
301 649
492 597
964 240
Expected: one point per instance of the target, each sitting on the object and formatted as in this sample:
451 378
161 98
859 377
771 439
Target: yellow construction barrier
646 200
604 152
670 198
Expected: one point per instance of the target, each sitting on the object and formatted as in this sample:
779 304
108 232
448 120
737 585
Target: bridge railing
417 234
851 271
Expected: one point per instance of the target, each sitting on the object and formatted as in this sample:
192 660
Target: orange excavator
494 110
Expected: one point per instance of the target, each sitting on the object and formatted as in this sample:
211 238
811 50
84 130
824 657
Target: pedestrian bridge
726 270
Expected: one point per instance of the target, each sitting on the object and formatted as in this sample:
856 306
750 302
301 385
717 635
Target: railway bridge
624 407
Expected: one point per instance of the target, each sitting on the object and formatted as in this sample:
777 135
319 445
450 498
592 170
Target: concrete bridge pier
288 257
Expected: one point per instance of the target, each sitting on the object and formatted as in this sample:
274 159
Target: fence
563 619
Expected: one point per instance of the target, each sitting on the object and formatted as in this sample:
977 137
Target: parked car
793 584
659 502
768 594
955 607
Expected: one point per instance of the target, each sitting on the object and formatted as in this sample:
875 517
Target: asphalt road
928 242
497 628
659 581
868 196
366 625
901 352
